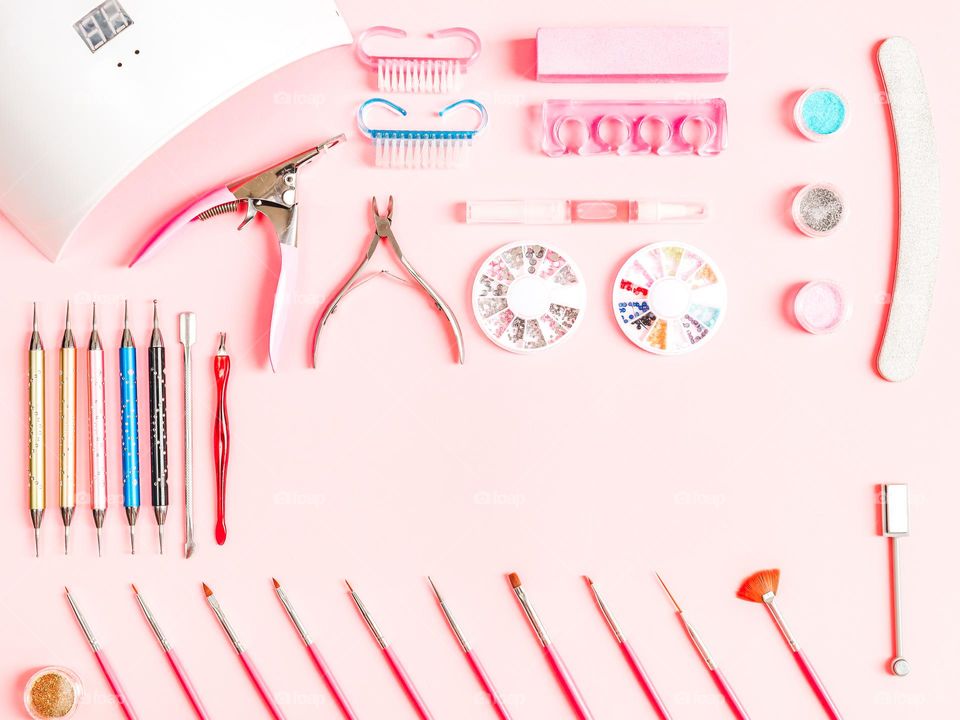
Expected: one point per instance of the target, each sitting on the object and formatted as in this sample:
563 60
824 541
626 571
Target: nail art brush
896 524
129 419
495 700
221 435
172 658
631 657
157 367
112 680
553 657
248 665
68 430
761 587
318 660
97 429
188 335
718 677
36 412
392 660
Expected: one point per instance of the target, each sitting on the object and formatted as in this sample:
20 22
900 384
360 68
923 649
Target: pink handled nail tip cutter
272 193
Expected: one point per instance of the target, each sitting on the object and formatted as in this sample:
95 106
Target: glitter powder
818 210
820 113
52 693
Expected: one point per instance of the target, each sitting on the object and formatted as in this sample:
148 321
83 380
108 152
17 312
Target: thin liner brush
172 658
553 657
761 587
718 677
392 660
631 657
495 700
318 660
248 665
112 680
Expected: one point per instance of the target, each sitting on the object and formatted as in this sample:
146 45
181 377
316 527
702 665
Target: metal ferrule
456 628
83 624
164 643
607 615
698 643
226 625
369 620
293 616
532 617
769 599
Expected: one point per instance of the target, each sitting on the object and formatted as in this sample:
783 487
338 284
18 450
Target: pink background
390 462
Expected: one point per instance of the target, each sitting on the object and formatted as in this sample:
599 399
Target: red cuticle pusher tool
221 435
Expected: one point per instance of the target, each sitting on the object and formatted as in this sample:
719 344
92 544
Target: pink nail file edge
633 54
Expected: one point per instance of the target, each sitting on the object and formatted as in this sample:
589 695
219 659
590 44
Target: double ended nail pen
97 428
36 419
130 434
68 430
157 368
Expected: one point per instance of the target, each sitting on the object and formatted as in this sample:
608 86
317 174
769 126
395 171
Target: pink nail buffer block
657 54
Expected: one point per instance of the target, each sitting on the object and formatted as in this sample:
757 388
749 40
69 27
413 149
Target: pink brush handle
407 684
566 681
187 685
644 679
816 684
262 688
331 682
211 199
487 684
731 697
115 686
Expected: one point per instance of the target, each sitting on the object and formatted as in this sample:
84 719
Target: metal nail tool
188 335
383 230
273 194
895 509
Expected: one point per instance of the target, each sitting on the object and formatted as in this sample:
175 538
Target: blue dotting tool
128 426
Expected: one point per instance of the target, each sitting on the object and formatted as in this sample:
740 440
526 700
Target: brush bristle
275 583
514 580
759 584
135 591
206 590
587 580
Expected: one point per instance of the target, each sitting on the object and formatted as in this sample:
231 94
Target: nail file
919 209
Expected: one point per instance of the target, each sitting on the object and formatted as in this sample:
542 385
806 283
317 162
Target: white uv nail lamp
91 89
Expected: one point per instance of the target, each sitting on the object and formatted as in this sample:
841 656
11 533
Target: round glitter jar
669 298
820 113
528 297
820 307
52 693
818 209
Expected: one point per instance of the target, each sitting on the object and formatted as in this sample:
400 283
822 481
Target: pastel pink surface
390 461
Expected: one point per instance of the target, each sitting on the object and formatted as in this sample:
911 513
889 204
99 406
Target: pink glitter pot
820 307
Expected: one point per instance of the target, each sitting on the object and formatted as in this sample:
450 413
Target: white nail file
919 209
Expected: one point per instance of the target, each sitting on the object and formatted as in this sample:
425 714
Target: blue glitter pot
820 113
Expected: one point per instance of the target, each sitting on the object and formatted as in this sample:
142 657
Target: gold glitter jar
52 693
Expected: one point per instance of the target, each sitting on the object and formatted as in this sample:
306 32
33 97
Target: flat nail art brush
157 368
68 430
130 433
392 660
112 680
36 420
97 429
761 587
318 660
172 658
553 657
632 660
718 677
248 665
495 700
